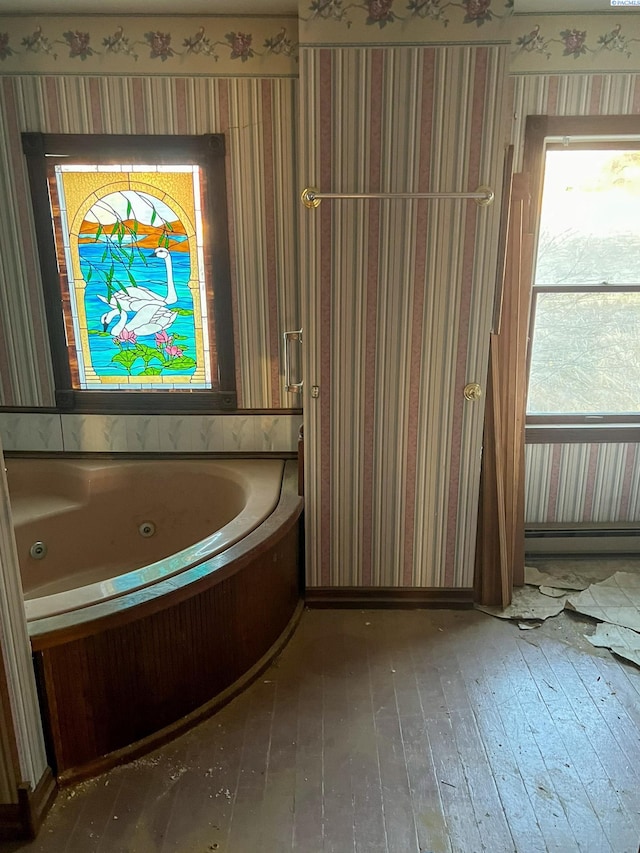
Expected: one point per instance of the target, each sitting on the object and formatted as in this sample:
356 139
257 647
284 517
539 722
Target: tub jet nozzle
38 550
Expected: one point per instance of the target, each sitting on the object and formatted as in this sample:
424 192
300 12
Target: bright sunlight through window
585 355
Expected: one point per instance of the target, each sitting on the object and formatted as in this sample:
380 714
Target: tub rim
54 630
255 509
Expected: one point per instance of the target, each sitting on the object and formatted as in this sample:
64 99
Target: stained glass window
137 258
132 243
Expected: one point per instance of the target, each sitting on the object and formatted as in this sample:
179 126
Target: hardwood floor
390 732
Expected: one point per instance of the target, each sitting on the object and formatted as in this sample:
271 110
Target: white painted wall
24 727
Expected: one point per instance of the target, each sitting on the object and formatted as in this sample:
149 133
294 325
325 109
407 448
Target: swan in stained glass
149 319
135 298
171 296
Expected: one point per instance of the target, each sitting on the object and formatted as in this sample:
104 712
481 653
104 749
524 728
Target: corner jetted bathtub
102 529
153 591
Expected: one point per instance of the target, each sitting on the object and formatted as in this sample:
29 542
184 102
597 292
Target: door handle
289 384
472 391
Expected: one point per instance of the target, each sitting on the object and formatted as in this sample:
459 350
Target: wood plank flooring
390 732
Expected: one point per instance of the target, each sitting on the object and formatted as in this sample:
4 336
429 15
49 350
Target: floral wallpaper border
380 13
269 46
540 43
232 46
574 42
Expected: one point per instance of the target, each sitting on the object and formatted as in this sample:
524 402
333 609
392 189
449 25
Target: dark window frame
207 151
544 133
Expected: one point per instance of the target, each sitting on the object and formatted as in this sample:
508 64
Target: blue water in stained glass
151 275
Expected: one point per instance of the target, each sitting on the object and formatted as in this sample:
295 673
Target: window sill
606 433
151 402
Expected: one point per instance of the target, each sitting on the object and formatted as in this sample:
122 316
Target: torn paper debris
622 641
552 591
527 604
566 580
616 600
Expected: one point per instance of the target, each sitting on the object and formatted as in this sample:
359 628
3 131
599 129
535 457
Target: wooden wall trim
150 455
12 827
389 597
582 434
22 820
151 410
588 125
494 569
36 804
500 544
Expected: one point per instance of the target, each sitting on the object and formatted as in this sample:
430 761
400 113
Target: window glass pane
129 241
589 220
586 354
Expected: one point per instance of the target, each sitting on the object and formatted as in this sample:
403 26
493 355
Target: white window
585 336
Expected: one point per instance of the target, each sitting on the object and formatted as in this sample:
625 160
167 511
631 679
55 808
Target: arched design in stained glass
133 244
133 251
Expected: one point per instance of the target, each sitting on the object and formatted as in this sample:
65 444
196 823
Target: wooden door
500 550
398 300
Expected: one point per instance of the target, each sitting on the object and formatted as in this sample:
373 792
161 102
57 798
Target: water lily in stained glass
130 245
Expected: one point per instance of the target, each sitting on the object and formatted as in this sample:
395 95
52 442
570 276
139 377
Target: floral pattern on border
574 42
616 41
533 42
160 44
280 44
328 10
478 12
428 9
37 42
386 12
200 44
382 12
119 43
5 49
78 42
240 45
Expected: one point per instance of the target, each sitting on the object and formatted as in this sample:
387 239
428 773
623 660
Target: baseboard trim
389 597
22 820
11 825
558 539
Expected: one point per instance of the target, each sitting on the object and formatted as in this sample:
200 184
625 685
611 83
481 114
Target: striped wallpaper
386 345
397 309
258 117
569 95
581 483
